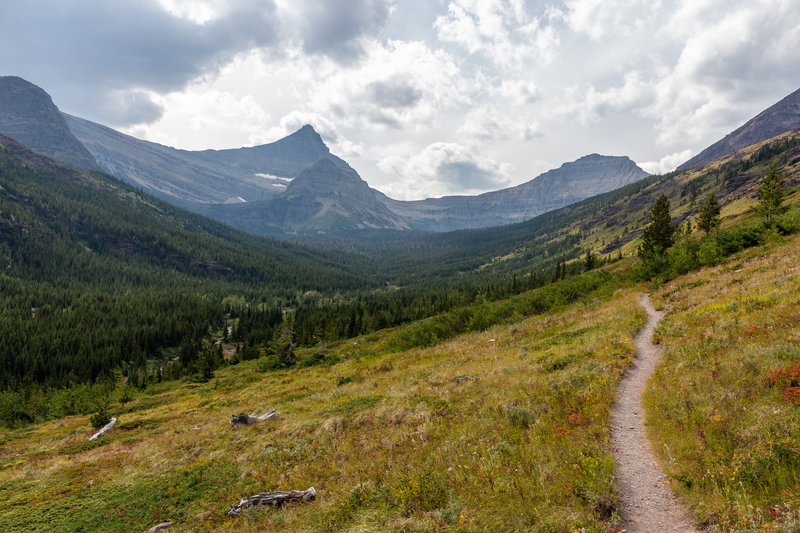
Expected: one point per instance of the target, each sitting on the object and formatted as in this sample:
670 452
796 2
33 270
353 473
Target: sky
423 99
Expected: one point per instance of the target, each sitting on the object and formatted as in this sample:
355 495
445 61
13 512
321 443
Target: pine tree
771 192
709 215
590 261
657 237
284 345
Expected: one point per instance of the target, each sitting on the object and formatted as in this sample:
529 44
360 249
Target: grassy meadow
504 430
723 409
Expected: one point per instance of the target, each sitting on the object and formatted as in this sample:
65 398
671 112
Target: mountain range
297 187
253 188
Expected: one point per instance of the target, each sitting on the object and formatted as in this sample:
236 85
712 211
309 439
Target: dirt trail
647 504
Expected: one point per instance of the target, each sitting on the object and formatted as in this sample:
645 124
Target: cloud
500 30
588 104
517 92
337 28
97 50
725 52
131 107
201 110
486 124
441 169
668 163
395 93
600 19
397 85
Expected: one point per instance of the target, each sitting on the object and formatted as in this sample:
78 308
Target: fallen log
163 526
273 499
242 419
104 429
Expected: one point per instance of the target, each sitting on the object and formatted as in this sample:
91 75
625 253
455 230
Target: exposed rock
273 499
104 429
242 419
192 178
572 182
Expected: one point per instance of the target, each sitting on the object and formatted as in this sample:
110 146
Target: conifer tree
709 215
657 237
590 261
771 192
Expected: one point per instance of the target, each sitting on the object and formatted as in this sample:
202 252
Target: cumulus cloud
517 92
501 30
198 112
442 169
337 28
668 163
395 92
725 51
601 18
487 124
396 85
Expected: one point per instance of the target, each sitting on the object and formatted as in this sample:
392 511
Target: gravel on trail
647 503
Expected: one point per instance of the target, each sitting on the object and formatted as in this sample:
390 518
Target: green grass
725 427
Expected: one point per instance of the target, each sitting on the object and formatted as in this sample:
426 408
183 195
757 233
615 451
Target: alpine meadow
364 266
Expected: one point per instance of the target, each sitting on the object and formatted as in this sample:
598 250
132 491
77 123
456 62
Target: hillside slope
96 274
607 225
504 429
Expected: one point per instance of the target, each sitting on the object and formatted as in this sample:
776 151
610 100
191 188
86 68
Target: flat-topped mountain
572 182
777 119
29 116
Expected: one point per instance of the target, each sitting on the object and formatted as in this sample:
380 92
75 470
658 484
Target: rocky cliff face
29 116
781 117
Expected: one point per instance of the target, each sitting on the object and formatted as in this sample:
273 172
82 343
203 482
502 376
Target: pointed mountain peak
306 134
327 175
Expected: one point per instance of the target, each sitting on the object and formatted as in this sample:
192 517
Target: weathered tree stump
104 429
273 499
242 419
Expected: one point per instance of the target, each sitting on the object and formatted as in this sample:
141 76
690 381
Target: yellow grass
520 445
